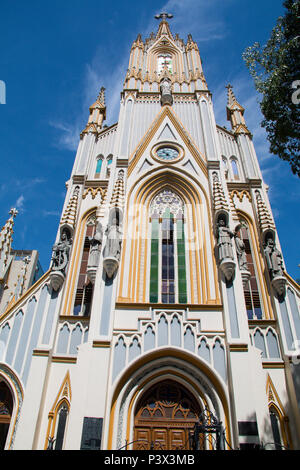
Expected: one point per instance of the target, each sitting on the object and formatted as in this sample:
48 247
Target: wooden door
6 407
164 418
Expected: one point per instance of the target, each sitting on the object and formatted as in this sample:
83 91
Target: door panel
178 438
164 417
142 438
160 438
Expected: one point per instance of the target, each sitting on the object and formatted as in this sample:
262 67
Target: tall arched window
225 166
235 169
251 289
277 425
162 60
62 416
168 267
99 166
108 165
84 290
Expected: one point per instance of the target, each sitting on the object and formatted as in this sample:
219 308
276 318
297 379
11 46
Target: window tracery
167 283
164 59
251 288
84 291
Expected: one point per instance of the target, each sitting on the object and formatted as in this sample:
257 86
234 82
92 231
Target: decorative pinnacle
230 95
163 16
13 212
101 96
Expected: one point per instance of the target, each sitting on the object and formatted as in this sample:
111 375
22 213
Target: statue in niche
165 87
241 251
113 244
274 258
95 246
166 92
61 252
224 236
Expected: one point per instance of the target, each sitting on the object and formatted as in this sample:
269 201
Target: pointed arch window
99 165
234 168
251 288
277 427
225 166
108 165
162 60
168 266
84 290
61 425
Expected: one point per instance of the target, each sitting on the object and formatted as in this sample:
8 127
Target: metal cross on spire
163 16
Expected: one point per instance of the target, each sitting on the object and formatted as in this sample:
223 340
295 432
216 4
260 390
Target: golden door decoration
165 418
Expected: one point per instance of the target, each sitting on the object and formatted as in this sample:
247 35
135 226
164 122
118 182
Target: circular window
167 153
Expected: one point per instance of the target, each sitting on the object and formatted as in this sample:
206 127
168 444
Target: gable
166 128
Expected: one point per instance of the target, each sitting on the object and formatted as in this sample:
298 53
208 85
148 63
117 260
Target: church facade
167 319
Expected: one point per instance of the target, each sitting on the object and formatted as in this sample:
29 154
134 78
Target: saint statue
166 92
165 87
61 252
224 236
241 252
95 246
113 244
274 258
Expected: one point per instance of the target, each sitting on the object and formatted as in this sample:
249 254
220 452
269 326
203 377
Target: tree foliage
275 68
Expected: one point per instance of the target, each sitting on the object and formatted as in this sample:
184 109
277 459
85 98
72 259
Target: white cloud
202 17
104 71
20 203
51 213
69 136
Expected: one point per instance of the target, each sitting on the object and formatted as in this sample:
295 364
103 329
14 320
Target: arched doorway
6 409
165 418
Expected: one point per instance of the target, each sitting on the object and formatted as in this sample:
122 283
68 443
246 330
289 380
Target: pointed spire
101 97
70 213
231 99
118 196
265 220
219 199
164 28
235 113
5 242
97 114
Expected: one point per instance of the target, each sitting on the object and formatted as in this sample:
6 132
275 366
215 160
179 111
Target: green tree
275 68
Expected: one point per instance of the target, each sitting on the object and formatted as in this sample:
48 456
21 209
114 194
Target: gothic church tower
167 304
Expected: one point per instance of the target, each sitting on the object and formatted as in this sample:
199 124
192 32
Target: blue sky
54 58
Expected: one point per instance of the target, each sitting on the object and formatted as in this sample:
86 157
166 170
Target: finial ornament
230 94
14 212
101 96
164 16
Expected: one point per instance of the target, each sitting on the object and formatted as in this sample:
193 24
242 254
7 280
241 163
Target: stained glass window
98 167
168 272
251 291
164 59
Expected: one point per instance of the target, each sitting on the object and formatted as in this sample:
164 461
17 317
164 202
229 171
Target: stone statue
95 246
113 244
274 258
166 92
61 252
241 252
165 87
224 236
